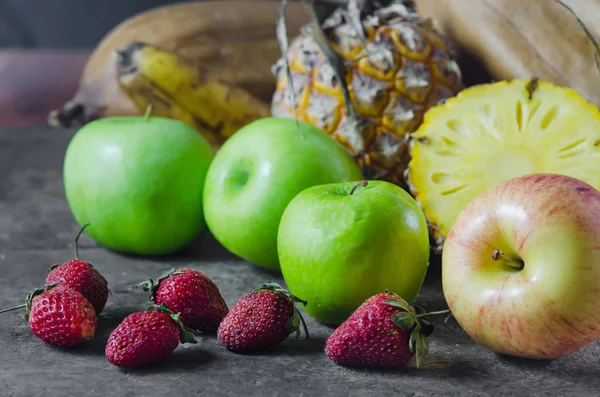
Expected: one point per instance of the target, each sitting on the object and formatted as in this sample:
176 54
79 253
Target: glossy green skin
337 250
138 183
257 172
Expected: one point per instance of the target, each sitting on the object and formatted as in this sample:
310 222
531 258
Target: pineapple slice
493 132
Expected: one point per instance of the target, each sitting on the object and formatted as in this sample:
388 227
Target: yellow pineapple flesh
404 69
493 132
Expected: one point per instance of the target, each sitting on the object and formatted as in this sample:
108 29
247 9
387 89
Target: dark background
65 24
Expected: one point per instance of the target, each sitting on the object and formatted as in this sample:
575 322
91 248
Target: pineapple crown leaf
151 285
354 13
334 60
185 335
337 64
412 320
35 292
294 322
282 39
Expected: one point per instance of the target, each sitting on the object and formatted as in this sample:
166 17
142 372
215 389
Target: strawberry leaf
404 320
419 310
162 308
417 341
185 335
398 303
293 324
146 286
33 294
296 299
426 328
422 347
272 286
151 285
412 341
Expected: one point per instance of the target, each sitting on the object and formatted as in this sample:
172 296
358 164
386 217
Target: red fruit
261 319
82 277
61 316
146 337
385 331
191 294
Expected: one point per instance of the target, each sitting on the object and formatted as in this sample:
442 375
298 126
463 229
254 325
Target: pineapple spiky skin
405 68
493 132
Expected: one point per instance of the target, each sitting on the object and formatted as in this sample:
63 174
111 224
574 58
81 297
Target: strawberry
82 277
60 316
385 331
261 319
146 337
191 294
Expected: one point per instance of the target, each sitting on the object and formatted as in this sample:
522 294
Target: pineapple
493 132
404 69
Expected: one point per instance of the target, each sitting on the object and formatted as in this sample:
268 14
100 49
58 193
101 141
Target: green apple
138 182
257 172
342 243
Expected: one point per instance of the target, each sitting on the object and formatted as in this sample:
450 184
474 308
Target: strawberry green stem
303 324
272 286
434 313
77 240
12 309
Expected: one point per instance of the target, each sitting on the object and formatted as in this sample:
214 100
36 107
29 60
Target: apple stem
12 308
148 112
510 261
434 313
359 184
77 240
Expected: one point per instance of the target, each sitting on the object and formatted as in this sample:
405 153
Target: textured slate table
37 229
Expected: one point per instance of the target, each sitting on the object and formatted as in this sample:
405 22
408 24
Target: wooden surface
36 231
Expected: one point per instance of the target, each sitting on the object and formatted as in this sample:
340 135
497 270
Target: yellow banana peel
177 88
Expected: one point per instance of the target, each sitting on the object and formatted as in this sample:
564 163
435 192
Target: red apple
521 267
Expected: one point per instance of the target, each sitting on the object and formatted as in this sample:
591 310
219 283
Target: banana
140 90
234 39
179 89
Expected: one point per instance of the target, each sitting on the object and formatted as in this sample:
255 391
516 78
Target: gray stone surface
36 230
